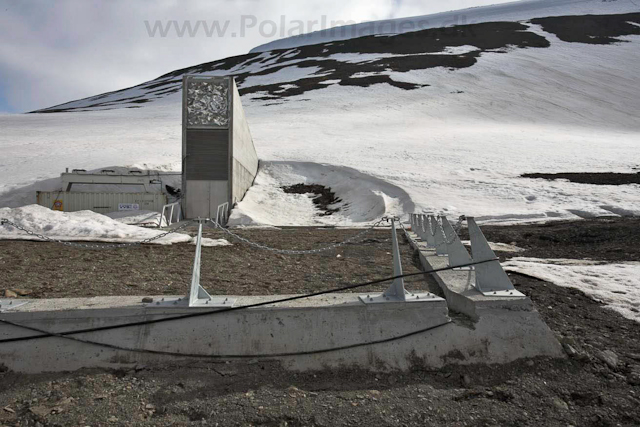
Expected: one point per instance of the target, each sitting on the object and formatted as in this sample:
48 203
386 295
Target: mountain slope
442 120
509 12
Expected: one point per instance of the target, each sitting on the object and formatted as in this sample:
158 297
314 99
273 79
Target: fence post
197 295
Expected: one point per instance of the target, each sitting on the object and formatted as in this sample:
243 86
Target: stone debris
609 357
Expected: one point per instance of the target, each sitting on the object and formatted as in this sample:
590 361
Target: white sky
57 51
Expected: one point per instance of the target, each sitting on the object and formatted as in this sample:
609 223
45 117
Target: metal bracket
438 236
198 297
426 235
491 279
396 292
458 255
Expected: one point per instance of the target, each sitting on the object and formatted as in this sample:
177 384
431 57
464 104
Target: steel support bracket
198 296
425 231
458 254
491 279
438 236
396 292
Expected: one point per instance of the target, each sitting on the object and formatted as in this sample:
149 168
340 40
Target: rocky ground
48 270
598 384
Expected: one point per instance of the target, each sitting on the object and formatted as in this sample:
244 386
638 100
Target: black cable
224 310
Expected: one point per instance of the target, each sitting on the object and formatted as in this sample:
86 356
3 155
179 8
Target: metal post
491 279
396 292
458 255
427 235
197 295
417 227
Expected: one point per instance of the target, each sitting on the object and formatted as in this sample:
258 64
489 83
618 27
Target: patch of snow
456 50
141 217
287 87
208 242
616 285
287 74
365 74
502 247
364 197
77 226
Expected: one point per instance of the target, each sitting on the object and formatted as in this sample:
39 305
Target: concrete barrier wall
309 325
244 157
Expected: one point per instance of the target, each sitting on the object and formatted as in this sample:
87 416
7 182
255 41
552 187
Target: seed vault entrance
219 160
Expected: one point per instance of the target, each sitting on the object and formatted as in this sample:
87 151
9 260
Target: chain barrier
5 221
294 251
456 228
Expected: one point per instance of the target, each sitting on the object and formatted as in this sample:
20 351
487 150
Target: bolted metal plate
214 302
380 298
8 304
508 293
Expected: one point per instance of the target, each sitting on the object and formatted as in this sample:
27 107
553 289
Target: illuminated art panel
208 103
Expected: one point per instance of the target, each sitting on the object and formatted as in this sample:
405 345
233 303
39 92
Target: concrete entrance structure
219 159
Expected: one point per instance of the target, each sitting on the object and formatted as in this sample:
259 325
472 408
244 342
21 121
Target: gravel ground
48 270
597 385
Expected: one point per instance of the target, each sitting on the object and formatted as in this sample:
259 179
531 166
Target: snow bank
364 198
138 217
616 285
82 226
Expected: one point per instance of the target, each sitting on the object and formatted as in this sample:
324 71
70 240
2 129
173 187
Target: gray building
219 160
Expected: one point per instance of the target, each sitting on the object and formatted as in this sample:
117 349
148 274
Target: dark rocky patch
597 178
592 29
324 196
610 239
420 48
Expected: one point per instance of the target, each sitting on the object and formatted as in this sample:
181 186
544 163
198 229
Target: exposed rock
40 411
568 348
560 404
634 376
8 293
147 299
23 292
609 357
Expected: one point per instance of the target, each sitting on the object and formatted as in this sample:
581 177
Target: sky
56 51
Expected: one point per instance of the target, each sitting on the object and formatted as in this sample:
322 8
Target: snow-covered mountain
512 11
442 119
